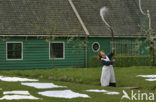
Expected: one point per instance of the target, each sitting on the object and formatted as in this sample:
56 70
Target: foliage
127 61
2 39
79 80
94 62
124 61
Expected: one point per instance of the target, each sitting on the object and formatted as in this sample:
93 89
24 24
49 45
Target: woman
107 77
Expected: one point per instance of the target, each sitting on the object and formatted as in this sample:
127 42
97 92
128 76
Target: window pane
56 50
126 48
14 50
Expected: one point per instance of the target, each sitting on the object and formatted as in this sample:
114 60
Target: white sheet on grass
103 91
150 79
147 76
18 97
15 79
42 85
63 94
112 93
96 90
16 92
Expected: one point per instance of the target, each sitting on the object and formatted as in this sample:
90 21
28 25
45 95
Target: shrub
94 62
124 61
127 61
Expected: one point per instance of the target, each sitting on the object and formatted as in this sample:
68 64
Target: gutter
98 36
11 35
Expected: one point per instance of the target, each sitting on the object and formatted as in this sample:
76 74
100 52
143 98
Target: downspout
85 29
150 21
152 37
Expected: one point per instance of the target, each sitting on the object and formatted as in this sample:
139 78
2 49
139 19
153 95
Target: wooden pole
112 34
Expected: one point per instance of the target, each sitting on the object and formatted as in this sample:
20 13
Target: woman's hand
113 50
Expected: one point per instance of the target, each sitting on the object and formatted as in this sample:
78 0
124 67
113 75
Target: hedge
124 61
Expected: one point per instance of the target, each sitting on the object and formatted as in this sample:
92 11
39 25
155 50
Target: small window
95 46
57 50
126 48
14 51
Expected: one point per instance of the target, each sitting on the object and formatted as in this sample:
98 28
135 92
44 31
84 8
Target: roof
56 17
151 6
38 17
123 16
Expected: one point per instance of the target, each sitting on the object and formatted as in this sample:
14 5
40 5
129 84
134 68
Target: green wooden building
41 34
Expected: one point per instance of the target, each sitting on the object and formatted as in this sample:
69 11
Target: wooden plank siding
36 52
105 45
36 55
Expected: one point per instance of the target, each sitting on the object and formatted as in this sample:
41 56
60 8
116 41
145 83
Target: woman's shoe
112 84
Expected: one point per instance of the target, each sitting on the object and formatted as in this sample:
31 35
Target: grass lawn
81 79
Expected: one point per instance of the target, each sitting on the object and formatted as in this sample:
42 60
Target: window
14 51
95 46
126 48
56 50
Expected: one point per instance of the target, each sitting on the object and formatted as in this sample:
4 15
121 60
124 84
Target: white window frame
7 50
93 44
63 50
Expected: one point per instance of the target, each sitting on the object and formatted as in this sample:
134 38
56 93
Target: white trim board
7 50
78 17
93 48
63 50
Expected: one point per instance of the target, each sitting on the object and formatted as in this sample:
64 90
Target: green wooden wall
106 46
36 53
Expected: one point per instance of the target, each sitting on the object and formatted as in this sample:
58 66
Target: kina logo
137 96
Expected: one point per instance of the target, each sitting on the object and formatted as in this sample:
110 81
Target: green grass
80 79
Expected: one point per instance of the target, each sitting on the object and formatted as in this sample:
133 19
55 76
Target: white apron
107 75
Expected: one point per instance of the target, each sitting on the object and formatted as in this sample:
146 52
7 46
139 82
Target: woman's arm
111 54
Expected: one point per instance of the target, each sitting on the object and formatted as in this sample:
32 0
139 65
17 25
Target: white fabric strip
15 79
42 85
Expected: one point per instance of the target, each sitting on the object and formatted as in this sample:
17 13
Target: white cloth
63 94
107 75
19 97
113 93
96 90
16 92
43 85
15 79
147 76
103 91
151 79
